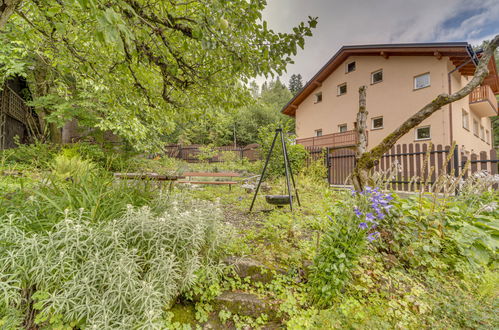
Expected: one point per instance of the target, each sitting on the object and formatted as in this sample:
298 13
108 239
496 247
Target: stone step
247 304
256 271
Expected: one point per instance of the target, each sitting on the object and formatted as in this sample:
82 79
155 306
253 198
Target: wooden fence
412 165
194 153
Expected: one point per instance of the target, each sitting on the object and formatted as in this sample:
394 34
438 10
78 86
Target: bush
72 185
38 154
297 154
119 274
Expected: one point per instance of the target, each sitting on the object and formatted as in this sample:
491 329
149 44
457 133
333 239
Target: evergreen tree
295 83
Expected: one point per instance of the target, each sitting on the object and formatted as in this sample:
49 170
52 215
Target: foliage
38 154
297 153
75 184
295 83
316 170
117 274
219 127
344 243
136 68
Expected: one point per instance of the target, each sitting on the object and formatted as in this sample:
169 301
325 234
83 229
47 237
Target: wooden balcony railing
335 140
483 94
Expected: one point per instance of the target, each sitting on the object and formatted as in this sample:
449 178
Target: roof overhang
461 55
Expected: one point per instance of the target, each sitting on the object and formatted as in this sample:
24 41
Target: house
400 80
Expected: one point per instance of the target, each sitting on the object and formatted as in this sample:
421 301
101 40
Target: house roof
461 54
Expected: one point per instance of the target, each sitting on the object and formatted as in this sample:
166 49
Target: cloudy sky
354 22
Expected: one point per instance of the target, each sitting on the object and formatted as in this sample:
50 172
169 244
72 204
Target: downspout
474 58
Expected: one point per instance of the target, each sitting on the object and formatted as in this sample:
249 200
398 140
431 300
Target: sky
357 22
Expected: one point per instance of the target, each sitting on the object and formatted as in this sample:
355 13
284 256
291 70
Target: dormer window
318 97
350 67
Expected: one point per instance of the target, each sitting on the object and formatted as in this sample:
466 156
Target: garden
80 249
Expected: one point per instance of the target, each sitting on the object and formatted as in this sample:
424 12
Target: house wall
465 138
394 98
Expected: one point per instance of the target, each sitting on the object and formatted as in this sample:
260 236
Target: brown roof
459 54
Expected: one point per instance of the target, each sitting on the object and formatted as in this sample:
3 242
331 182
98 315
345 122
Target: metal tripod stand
287 167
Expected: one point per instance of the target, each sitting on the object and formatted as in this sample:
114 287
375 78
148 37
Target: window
377 76
377 123
423 133
482 133
318 132
466 120
342 89
487 136
342 128
422 81
318 97
350 67
475 127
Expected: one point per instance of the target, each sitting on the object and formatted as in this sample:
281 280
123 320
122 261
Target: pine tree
295 83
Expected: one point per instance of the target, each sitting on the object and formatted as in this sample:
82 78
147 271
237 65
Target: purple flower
330 218
363 225
357 212
372 236
370 217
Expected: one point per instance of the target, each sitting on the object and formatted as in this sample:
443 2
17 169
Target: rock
246 304
256 271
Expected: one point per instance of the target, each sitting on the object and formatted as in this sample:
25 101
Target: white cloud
381 21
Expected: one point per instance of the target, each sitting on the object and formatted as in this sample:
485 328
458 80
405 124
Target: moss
184 314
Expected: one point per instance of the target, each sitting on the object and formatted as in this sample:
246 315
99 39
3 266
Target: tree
218 126
366 160
137 67
295 83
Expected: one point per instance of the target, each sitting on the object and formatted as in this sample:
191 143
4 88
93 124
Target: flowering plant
372 205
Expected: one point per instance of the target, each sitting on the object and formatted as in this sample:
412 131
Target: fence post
328 169
456 167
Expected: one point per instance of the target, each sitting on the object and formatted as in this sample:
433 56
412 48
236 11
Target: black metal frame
287 167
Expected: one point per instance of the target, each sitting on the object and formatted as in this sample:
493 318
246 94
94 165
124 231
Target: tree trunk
359 175
40 83
7 8
367 160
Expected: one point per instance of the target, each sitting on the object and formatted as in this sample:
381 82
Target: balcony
483 101
335 140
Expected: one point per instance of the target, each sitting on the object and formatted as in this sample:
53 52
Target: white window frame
465 114
420 75
317 95
318 131
342 125
338 89
487 136
372 77
482 132
382 123
347 64
416 133
476 127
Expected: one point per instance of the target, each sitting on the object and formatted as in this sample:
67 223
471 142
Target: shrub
120 274
38 154
297 154
72 185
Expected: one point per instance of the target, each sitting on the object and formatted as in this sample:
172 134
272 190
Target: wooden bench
149 176
190 175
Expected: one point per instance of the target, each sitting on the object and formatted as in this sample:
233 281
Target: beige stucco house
401 78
